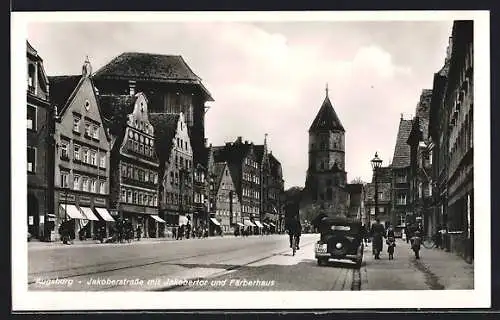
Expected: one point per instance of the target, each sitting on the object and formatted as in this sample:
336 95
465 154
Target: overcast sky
270 77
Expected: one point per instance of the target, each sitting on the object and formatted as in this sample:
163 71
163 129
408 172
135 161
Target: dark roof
384 174
326 118
353 188
219 171
111 103
165 125
401 157
231 152
61 88
276 169
153 67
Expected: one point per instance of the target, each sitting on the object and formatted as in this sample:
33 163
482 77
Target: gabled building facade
40 153
400 169
134 164
244 167
173 147
81 155
227 205
325 187
275 197
385 199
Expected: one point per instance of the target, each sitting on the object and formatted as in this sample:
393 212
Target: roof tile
401 157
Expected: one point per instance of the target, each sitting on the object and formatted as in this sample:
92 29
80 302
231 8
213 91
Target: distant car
341 238
29 237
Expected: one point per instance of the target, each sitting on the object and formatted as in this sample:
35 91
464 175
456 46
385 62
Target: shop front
79 213
144 217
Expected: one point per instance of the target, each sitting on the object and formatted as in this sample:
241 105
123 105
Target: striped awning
104 214
89 214
248 223
72 211
258 224
215 221
157 218
240 224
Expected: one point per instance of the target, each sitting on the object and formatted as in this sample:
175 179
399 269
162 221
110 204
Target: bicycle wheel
428 243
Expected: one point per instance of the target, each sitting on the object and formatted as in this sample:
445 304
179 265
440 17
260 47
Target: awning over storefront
104 214
248 223
183 220
258 224
89 214
265 224
272 224
157 218
72 211
215 221
51 217
240 224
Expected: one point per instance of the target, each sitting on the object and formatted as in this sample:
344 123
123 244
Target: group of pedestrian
378 232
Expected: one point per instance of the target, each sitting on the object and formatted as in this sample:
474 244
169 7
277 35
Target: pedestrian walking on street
139 232
377 232
391 242
416 241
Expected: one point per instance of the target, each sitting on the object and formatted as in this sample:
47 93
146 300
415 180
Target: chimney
246 141
240 140
131 85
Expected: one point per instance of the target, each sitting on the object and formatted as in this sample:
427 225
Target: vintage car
341 239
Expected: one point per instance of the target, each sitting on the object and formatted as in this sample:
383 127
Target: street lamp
376 163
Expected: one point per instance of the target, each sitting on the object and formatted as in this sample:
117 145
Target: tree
357 180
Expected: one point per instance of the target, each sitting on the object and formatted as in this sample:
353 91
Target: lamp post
209 193
376 164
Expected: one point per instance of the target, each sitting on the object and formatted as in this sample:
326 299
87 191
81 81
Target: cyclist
294 228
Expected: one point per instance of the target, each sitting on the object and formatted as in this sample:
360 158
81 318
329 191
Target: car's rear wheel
322 261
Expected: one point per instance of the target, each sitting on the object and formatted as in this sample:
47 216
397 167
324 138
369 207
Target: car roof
340 220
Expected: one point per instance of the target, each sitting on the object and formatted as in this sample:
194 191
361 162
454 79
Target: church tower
325 188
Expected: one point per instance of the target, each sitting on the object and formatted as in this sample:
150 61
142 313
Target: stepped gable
401 158
165 125
327 118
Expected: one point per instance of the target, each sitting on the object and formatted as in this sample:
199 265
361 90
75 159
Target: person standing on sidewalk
416 241
377 232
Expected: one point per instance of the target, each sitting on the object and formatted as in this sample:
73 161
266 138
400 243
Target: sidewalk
436 270
87 243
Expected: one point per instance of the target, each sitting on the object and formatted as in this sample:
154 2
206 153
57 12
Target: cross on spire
326 89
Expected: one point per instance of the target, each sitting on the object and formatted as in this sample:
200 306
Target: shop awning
272 224
157 218
89 214
51 217
240 224
265 224
72 211
258 224
248 223
215 221
183 220
104 214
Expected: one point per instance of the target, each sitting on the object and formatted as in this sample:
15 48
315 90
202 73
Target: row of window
251 193
142 198
83 154
83 183
176 199
249 209
182 162
199 197
175 178
252 163
227 213
141 148
138 173
251 177
140 138
182 144
91 130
